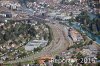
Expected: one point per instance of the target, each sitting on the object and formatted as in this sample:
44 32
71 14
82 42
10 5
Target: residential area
49 33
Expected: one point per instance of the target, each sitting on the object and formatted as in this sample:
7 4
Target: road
57 45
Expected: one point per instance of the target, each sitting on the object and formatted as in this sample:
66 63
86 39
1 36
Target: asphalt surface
57 45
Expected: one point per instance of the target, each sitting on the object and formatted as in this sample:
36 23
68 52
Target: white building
10 4
34 44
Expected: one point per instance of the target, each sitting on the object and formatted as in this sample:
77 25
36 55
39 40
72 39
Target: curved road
57 45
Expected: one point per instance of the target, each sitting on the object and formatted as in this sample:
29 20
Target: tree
62 2
32 31
84 65
37 49
7 36
90 42
74 64
1 38
36 62
57 57
97 64
66 64
19 64
98 55
56 64
97 22
79 56
46 60
32 0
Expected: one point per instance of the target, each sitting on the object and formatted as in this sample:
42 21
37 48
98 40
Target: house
86 52
4 14
90 51
75 35
10 4
42 60
4 57
1 62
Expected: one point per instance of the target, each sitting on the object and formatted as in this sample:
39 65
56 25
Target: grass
50 34
27 62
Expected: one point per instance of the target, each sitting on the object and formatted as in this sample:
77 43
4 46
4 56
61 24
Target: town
49 32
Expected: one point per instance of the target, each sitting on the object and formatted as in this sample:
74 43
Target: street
57 45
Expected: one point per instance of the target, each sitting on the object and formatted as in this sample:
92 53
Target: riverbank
89 34
94 43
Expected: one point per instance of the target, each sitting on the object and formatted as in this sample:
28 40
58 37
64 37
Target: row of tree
92 24
13 32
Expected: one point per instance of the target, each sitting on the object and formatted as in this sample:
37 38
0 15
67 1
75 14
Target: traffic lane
57 34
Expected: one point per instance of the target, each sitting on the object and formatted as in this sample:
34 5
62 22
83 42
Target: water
89 34
75 25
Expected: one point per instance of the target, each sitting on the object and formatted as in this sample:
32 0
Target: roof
4 9
42 59
36 42
92 16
